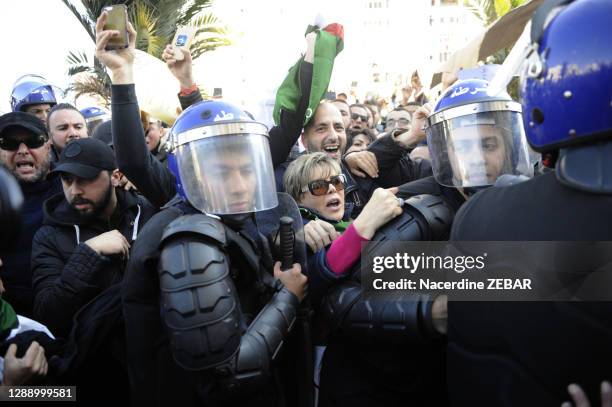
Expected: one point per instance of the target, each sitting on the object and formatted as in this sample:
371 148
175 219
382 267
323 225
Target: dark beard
98 207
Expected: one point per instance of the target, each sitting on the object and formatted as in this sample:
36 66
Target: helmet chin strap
587 168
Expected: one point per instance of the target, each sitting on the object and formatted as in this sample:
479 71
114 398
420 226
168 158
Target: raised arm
134 160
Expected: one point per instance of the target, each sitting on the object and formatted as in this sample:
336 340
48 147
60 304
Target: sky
46 31
268 40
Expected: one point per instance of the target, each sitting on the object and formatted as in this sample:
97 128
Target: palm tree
156 22
489 11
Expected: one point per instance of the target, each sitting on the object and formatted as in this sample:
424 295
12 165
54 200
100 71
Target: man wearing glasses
24 151
398 119
359 117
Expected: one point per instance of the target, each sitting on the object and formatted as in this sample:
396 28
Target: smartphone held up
182 40
116 19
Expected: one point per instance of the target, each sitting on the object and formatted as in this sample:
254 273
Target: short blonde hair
301 170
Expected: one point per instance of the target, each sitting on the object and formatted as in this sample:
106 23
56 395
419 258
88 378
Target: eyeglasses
13 143
356 116
321 186
400 123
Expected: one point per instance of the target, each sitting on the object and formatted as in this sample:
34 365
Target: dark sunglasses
12 143
356 116
321 186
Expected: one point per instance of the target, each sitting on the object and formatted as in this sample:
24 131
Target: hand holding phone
111 50
182 40
116 19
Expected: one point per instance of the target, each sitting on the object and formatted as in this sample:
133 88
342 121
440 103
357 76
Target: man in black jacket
24 151
84 243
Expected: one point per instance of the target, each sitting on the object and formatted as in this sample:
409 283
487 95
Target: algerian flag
329 43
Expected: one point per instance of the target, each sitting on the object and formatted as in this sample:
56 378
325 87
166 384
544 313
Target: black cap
24 120
85 158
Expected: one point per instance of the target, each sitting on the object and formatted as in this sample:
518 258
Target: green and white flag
329 43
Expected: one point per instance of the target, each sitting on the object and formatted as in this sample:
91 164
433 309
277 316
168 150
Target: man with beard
88 229
65 123
24 151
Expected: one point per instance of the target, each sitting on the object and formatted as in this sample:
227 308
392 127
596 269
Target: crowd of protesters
146 266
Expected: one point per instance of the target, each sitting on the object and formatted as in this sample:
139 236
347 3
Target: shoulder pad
197 224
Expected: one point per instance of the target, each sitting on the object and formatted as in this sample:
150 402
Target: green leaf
502 7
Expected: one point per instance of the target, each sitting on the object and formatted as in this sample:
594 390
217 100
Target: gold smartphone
117 20
182 39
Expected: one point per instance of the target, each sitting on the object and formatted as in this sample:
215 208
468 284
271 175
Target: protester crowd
151 264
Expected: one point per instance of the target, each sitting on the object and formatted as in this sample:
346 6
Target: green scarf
8 319
340 226
329 43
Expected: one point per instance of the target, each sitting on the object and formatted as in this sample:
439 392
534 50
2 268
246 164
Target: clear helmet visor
475 149
35 88
229 174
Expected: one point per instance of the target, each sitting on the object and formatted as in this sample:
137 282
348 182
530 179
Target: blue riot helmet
94 116
474 138
221 160
566 83
32 90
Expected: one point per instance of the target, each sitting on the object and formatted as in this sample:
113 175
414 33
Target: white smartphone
182 39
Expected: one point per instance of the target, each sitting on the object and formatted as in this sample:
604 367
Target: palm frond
91 85
193 10
77 58
484 10
204 20
502 7
211 44
77 69
85 21
145 23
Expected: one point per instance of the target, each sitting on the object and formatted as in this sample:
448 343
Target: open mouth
25 165
333 204
331 149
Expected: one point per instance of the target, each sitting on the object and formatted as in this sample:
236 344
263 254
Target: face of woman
330 205
360 143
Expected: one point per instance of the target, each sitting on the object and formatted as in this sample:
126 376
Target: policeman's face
345 112
26 164
326 133
478 153
330 205
66 125
359 117
89 197
40 111
234 174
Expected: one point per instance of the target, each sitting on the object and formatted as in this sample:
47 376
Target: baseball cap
24 120
85 158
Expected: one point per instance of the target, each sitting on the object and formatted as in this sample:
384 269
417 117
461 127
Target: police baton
305 361
287 241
